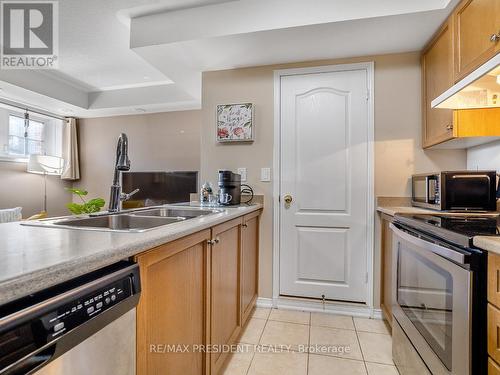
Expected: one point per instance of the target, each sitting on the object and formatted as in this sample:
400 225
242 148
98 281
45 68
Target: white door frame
370 214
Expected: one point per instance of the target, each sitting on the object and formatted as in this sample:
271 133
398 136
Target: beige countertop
393 210
488 243
33 258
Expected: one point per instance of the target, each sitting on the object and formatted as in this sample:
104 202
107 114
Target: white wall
484 157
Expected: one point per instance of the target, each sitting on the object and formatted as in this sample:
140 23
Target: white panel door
324 168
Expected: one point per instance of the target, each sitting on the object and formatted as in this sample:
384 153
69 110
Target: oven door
432 301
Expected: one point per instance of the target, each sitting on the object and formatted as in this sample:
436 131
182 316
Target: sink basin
140 220
128 223
172 212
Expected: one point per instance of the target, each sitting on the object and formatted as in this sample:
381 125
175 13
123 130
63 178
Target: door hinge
366 278
367 94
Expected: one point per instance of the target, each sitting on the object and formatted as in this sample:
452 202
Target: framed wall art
235 123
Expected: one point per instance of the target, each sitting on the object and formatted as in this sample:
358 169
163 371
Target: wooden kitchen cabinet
173 306
386 268
461 45
493 292
249 264
196 291
476 22
437 77
225 314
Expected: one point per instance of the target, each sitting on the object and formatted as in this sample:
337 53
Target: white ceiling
118 56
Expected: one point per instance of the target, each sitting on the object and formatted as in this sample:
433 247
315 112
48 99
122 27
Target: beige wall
398 153
157 142
21 189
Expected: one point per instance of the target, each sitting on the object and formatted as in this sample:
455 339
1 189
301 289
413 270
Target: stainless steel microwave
455 191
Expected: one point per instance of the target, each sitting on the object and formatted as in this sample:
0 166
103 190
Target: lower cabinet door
172 312
225 291
249 264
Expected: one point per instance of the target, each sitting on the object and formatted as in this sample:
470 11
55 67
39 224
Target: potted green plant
87 207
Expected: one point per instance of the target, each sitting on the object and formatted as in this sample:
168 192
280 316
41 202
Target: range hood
480 89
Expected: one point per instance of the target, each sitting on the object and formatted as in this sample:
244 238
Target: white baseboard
340 308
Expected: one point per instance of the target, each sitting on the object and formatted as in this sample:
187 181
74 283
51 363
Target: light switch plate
243 173
265 174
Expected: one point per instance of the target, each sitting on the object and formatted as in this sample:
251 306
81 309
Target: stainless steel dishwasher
84 326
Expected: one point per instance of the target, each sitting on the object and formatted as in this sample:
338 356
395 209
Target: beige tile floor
345 345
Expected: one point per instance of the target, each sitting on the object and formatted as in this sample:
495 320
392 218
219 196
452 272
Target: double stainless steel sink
140 220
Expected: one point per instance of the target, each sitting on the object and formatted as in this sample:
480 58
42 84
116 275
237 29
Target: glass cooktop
459 229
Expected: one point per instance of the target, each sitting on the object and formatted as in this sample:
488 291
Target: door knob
288 199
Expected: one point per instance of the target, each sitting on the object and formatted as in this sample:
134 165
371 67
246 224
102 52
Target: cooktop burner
458 229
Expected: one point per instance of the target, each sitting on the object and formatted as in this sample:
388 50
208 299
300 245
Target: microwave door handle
471 176
429 246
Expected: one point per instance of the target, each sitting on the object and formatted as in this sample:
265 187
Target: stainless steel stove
439 293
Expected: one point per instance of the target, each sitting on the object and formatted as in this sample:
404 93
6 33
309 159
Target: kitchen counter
393 210
488 243
33 258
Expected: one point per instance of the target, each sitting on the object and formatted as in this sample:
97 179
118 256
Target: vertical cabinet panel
249 264
386 270
225 289
172 308
437 77
475 23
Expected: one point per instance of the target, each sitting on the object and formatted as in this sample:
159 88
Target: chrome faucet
122 164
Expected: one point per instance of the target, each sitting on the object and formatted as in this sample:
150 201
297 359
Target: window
44 135
22 141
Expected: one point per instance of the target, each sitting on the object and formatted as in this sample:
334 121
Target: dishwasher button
90 310
99 305
107 300
113 298
58 327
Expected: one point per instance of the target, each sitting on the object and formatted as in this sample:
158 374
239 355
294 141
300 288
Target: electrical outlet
243 173
265 174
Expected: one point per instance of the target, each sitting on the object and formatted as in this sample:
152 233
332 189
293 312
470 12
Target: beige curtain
71 169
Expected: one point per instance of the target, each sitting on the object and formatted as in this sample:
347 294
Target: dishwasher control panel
73 314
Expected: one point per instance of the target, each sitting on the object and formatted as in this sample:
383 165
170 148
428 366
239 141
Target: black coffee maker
229 188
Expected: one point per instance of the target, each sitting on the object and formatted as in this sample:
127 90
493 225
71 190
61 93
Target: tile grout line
308 344
258 343
360 348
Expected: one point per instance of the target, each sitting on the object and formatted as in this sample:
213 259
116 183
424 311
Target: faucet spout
122 163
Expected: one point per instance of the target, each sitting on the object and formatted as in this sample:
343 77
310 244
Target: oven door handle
453 255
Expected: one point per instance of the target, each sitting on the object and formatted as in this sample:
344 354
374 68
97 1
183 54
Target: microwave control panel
433 195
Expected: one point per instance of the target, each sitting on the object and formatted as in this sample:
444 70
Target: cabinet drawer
494 279
493 368
494 332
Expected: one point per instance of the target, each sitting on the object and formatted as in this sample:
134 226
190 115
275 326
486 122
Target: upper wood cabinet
462 44
173 306
249 264
476 24
437 77
225 289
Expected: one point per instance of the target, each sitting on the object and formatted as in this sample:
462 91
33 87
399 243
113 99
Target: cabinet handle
495 37
449 127
245 225
216 240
